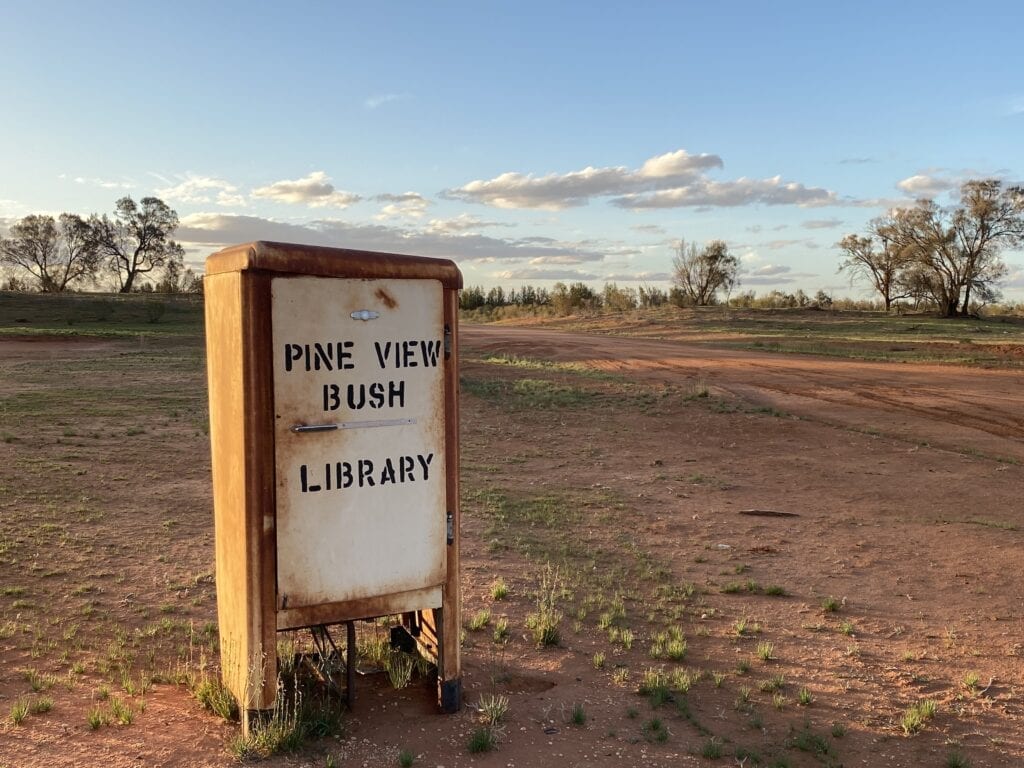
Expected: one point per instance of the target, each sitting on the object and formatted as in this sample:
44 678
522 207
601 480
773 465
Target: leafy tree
567 298
496 297
177 278
618 299
137 240
650 296
700 273
471 297
56 253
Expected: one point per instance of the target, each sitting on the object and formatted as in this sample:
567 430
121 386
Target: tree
177 278
137 240
57 253
877 259
953 254
988 219
699 273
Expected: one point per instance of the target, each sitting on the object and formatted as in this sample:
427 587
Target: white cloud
769 270
102 183
314 190
409 205
639 277
563 259
464 222
774 245
545 274
926 185
677 165
202 189
1015 277
215 230
12 209
704 192
649 229
555 192
822 223
383 98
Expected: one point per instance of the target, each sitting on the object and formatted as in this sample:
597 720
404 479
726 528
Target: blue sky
529 142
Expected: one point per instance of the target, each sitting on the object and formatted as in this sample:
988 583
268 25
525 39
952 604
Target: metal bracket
450 527
447 342
300 428
364 314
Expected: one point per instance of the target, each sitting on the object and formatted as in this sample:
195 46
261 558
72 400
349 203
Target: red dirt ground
903 483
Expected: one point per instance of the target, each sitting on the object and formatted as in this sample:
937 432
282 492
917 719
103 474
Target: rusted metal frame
361 608
449 670
227 431
289 258
260 474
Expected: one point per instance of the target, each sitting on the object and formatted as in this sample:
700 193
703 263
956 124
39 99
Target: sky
530 142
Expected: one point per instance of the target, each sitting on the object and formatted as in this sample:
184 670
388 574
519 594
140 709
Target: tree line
129 249
949 258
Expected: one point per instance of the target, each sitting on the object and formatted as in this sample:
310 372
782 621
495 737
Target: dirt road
949 407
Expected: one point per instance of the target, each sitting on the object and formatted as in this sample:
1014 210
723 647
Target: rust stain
387 298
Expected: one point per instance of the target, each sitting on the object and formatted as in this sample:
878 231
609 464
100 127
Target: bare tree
988 219
947 255
878 259
58 254
699 273
138 239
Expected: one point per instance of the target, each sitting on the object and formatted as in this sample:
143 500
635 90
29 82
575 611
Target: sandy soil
899 488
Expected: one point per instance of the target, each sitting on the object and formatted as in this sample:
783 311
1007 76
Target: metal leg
350 663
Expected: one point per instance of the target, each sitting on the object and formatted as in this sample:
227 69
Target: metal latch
450 526
447 342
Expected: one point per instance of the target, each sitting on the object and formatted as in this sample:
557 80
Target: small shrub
215 697
599 659
501 633
544 627
41 705
765 651
830 605
96 718
499 589
957 760
915 716
400 666
121 711
804 697
712 749
655 730
406 758
482 740
493 708
19 711
479 620
578 716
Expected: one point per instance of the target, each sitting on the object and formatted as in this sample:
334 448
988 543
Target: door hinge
447 342
450 527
